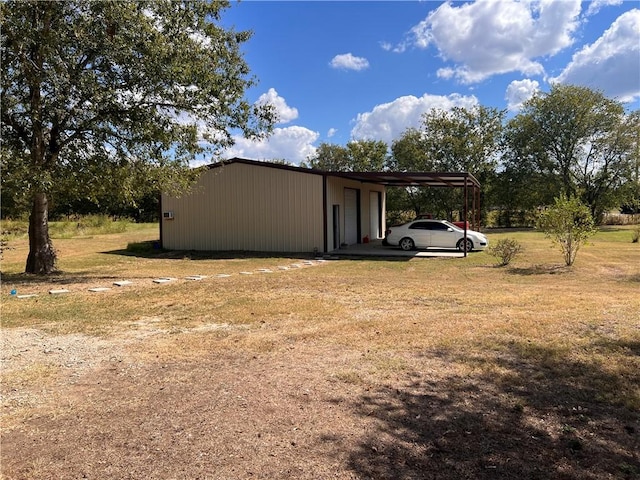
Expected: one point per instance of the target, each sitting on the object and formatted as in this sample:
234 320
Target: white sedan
434 233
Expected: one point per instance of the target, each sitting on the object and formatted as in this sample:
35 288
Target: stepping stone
283 268
296 265
195 277
58 292
308 262
163 280
223 275
122 283
27 295
246 273
264 270
99 289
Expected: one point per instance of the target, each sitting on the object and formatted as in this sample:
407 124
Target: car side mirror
449 229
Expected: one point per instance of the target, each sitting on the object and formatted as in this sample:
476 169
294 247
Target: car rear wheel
461 243
407 244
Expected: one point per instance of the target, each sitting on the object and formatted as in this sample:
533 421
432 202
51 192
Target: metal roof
413 179
391 179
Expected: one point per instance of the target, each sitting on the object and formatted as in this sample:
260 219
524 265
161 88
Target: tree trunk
42 256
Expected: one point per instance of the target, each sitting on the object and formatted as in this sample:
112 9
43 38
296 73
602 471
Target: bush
568 223
505 250
635 234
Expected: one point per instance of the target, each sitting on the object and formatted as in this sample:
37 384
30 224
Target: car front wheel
461 245
407 244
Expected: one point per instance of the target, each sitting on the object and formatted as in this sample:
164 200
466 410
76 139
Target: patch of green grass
76 227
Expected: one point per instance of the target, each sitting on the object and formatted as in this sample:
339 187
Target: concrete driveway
376 249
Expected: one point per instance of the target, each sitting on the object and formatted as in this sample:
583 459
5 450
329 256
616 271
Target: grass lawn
423 368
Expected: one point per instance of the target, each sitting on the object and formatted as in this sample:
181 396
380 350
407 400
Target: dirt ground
123 408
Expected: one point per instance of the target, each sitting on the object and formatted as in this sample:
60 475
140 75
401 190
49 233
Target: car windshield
451 225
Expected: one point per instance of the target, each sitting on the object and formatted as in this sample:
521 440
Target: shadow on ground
551 419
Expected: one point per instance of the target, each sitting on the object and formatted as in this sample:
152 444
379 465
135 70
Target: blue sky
340 71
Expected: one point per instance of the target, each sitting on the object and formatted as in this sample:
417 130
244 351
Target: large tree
456 140
573 141
129 89
356 156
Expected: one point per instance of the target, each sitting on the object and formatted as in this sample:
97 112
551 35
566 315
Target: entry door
350 216
375 215
336 227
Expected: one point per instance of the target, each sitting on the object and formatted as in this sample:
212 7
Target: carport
463 180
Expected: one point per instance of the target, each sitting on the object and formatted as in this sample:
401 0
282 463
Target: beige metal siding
247 207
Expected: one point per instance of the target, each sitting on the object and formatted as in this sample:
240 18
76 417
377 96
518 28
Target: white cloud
519 91
284 111
611 63
445 73
332 132
491 37
293 144
349 62
596 5
388 121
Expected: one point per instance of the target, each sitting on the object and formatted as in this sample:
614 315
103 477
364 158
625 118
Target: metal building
246 205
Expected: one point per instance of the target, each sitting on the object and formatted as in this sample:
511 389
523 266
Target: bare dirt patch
122 408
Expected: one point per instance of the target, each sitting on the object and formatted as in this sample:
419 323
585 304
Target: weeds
505 250
73 227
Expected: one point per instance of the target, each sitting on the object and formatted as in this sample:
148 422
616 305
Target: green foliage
109 101
74 226
571 141
459 140
635 234
569 224
357 156
505 250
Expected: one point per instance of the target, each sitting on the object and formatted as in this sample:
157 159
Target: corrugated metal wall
247 207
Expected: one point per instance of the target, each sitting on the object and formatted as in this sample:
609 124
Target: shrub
635 234
505 250
568 222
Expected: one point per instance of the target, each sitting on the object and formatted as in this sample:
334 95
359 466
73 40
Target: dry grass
450 366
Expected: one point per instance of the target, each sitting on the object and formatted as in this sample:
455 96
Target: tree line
104 105
571 141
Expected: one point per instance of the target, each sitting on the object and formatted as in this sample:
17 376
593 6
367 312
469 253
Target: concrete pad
122 283
27 295
195 277
283 268
223 275
246 273
264 270
99 289
163 280
58 292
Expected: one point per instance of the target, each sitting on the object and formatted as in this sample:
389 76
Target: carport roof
391 179
413 179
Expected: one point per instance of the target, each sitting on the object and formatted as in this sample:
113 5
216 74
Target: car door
442 236
420 233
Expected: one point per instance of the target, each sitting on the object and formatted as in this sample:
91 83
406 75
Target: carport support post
477 213
465 214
